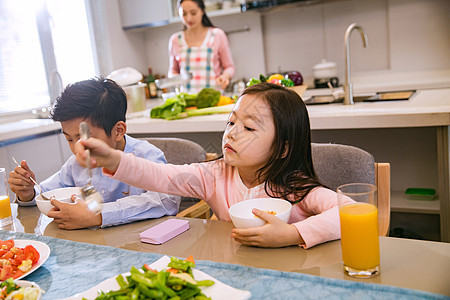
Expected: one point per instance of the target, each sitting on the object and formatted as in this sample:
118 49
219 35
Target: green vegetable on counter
175 107
253 81
262 78
223 109
207 97
191 99
287 82
169 109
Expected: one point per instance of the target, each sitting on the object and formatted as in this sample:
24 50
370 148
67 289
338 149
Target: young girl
266 152
201 49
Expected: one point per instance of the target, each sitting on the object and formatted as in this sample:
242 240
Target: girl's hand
275 233
102 155
223 81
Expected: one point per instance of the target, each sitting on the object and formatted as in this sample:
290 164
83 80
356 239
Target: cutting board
299 89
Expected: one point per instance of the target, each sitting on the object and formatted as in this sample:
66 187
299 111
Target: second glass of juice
5 205
359 229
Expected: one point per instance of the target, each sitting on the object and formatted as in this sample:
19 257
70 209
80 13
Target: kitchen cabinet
45 153
139 14
144 13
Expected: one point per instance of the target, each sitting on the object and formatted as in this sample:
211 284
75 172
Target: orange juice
5 207
359 236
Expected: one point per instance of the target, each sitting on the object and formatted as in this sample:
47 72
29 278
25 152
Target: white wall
404 35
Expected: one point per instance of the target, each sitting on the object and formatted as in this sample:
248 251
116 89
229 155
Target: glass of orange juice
359 229
5 205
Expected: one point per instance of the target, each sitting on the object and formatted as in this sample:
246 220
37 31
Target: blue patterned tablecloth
75 267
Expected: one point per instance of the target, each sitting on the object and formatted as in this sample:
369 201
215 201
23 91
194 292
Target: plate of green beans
166 278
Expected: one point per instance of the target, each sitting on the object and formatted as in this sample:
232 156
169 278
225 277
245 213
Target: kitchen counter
425 108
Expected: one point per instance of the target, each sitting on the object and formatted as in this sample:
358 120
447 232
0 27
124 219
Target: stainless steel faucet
348 87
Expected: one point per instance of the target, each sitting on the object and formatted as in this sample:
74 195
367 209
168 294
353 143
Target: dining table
80 259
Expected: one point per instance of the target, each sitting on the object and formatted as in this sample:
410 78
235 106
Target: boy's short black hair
99 100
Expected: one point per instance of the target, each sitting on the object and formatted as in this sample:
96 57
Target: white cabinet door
43 154
144 13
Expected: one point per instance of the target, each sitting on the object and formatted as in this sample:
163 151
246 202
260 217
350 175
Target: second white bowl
62 195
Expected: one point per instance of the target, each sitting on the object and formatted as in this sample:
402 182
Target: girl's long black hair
289 173
205 20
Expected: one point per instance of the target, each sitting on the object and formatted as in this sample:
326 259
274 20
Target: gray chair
336 164
340 164
179 152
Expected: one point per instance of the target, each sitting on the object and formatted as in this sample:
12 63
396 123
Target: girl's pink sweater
316 217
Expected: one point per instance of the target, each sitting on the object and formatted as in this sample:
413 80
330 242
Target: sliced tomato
17 274
31 253
6 272
8 255
8 243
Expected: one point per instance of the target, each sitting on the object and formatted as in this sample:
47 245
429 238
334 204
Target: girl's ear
119 130
286 149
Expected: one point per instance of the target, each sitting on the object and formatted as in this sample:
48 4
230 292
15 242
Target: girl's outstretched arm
275 233
102 155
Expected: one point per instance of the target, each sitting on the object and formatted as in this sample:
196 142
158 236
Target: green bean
139 278
121 281
188 293
165 289
152 293
175 281
135 294
205 282
180 264
149 274
201 297
134 270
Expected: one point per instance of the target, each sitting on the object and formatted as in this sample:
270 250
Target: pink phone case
164 231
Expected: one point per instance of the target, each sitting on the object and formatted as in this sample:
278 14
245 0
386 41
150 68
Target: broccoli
207 97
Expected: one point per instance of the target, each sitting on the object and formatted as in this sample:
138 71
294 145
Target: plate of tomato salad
19 258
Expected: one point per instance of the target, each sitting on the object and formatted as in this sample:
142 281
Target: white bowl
25 284
242 216
62 195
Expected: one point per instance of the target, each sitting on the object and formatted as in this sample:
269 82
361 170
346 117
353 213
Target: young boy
102 104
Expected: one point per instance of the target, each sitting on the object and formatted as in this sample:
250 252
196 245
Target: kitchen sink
371 97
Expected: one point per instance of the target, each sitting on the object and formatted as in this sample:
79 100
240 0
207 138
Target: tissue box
164 231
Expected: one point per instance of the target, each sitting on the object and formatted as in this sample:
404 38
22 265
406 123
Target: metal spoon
34 181
91 196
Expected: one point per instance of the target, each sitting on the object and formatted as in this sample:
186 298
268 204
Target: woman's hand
223 81
102 155
275 233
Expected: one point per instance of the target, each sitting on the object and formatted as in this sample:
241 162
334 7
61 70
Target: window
44 45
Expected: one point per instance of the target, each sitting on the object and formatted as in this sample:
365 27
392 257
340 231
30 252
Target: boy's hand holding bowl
62 195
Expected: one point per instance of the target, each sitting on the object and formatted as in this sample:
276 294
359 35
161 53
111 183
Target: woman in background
201 49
